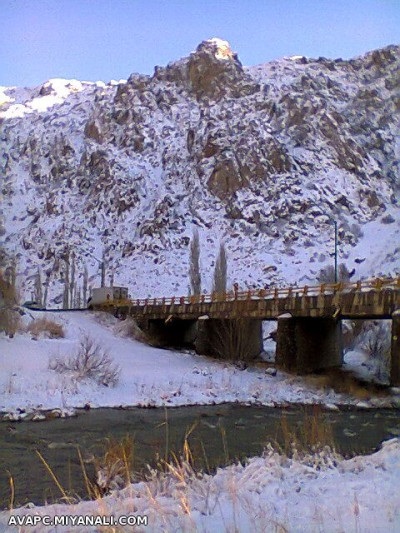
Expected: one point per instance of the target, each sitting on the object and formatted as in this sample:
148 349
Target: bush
327 274
47 328
377 340
90 362
351 334
377 345
231 340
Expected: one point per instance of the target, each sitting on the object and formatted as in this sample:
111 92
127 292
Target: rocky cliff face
263 157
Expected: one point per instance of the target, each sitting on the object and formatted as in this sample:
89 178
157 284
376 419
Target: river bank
149 376
218 435
318 492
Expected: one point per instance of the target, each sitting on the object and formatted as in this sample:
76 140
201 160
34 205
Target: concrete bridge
309 336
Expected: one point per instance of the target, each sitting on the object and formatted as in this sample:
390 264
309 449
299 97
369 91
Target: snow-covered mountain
261 157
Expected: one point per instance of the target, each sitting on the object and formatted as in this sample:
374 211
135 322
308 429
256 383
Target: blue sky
110 39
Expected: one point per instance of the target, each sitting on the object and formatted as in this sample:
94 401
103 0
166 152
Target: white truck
102 295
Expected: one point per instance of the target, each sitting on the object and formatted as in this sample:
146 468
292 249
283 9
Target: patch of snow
320 492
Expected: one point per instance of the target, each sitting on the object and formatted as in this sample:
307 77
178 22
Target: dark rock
225 180
388 219
92 131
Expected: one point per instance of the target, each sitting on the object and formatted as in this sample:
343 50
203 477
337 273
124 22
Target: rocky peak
215 71
218 48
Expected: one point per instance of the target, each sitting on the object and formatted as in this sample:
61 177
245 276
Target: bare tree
220 271
352 333
9 318
103 269
66 281
46 288
13 274
91 361
377 343
377 339
327 274
38 288
72 281
85 285
194 268
231 340
77 292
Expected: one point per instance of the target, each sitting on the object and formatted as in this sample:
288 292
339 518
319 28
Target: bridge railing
267 293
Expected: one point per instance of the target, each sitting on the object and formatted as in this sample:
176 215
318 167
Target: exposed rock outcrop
265 156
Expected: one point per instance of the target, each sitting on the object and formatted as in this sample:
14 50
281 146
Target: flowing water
221 434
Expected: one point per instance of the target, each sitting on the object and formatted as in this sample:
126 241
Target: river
221 434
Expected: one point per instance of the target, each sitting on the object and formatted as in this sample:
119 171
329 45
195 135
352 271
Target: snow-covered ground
149 376
271 493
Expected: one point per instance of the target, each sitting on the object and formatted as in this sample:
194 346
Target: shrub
231 340
377 340
90 362
377 346
327 274
47 328
351 334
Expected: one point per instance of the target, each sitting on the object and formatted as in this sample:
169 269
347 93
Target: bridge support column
395 350
308 344
236 339
175 333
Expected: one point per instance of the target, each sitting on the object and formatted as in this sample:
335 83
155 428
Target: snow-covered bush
377 345
130 328
90 362
352 332
327 275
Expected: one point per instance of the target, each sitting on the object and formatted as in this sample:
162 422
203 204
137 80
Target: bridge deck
377 298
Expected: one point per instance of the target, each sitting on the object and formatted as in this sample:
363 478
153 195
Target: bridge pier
395 350
308 344
236 339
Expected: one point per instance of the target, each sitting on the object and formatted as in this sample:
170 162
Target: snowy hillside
149 376
262 157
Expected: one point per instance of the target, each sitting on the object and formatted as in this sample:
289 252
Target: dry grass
90 362
43 327
170 491
9 321
314 434
232 340
115 467
346 383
